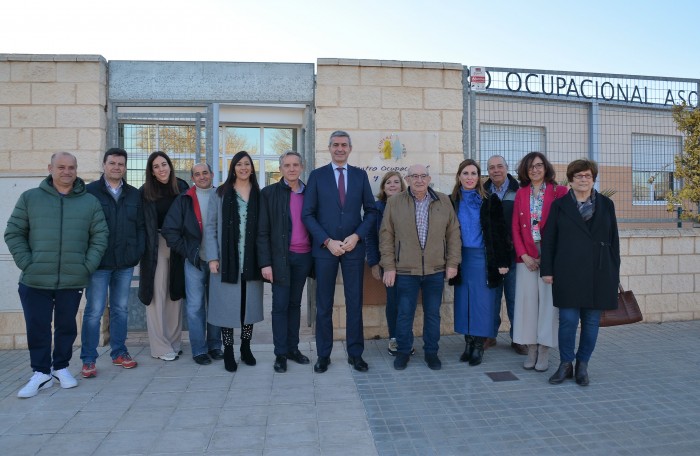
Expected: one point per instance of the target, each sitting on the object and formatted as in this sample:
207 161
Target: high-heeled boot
229 359
468 349
566 370
542 358
247 355
478 354
529 363
581 373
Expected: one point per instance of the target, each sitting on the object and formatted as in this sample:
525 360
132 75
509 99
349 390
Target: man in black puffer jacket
123 210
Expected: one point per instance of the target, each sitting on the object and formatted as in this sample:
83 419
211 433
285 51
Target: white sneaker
38 382
167 357
66 378
393 347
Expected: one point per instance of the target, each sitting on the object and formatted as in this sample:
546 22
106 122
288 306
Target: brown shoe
489 342
519 348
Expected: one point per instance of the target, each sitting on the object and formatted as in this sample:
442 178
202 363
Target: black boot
229 360
478 352
468 349
247 355
566 370
581 373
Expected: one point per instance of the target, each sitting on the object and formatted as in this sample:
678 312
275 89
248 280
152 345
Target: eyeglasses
583 176
419 176
537 166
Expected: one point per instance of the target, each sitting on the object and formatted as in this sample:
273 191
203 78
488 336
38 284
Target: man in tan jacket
420 247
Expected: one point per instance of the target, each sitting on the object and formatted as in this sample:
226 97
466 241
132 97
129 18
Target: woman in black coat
581 259
162 272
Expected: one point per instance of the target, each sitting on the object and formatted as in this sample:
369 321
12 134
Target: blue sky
615 36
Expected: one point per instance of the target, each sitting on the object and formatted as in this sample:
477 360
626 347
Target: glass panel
653 166
511 141
272 172
277 140
236 139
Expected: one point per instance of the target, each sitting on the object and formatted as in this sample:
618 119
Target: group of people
501 236
216 246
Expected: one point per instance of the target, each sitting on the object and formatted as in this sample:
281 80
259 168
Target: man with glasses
334 202
421 262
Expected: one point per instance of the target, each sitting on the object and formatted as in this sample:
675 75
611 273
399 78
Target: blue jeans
431 287
568 323
203 336
392 309
286 304
40 307
116 283
508 285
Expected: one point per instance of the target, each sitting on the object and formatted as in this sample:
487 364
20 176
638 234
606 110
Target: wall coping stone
388 63
52 58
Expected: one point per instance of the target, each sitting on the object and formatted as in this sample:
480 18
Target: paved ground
644 399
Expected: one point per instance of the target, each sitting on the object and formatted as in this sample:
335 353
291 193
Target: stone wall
48 103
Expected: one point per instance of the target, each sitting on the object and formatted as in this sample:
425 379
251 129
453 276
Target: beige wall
48 103
371 99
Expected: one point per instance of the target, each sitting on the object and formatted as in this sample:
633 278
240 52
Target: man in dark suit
336 196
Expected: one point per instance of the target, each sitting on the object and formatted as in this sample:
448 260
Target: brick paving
644 399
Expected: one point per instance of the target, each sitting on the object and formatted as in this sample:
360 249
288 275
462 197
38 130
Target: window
180 142
264 144
511 141
653 167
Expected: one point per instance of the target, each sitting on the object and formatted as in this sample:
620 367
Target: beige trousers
536 320
163 316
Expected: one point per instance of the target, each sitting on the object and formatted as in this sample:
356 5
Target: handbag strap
619 286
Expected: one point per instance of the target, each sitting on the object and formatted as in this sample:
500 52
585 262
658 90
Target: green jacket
57 241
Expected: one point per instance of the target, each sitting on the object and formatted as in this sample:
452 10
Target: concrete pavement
644 399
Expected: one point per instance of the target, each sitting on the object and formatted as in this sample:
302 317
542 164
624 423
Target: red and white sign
477 78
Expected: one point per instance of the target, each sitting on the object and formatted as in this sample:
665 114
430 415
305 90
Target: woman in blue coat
485 259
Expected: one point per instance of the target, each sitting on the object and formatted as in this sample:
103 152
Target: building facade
398 113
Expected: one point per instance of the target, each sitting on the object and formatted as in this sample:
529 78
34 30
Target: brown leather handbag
627 310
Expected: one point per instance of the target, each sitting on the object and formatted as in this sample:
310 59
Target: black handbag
627 311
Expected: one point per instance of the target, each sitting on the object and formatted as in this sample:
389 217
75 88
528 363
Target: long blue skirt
474 309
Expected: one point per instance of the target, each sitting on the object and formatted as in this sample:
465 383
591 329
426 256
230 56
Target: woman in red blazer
535 318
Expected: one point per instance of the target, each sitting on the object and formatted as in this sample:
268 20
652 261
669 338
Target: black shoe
247 355
566 370
433 361
478 354
401 361
216 354
322 363
519 348
280 364
202 359
581 373
298 357
179 353
358 363
468 349
229 360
